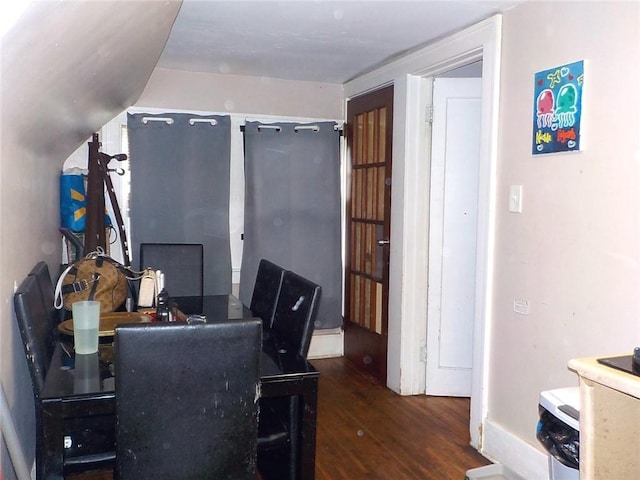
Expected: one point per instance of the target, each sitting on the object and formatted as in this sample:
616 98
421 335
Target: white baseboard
326 343
501 446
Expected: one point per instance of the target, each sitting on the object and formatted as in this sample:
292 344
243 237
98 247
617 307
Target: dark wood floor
367 432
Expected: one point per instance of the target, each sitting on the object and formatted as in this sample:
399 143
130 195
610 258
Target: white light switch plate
515 198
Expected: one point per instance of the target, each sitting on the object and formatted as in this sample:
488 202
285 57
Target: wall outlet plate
521 306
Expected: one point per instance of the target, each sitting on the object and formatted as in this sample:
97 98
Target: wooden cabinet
609 421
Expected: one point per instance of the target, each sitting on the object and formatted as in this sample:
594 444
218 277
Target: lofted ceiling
311 40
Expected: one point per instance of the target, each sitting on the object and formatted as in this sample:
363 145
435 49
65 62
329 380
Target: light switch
515 198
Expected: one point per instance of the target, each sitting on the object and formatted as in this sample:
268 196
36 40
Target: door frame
409 205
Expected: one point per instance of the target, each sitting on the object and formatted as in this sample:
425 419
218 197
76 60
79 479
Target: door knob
382 243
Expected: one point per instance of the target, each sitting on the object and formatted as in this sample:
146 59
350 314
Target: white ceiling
311 40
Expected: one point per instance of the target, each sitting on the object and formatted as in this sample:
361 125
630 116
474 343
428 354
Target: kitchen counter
609 421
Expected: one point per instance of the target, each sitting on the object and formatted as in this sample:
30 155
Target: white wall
241 95
574 250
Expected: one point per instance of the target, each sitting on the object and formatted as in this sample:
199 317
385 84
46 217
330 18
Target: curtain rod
315 128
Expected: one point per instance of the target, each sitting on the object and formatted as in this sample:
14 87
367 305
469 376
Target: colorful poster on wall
557 109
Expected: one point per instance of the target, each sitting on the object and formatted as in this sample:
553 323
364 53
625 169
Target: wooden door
369 134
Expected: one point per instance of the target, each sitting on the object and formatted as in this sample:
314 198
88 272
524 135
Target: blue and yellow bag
73 202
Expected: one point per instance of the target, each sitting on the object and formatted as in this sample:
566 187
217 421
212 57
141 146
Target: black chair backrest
296 310
41 272
187 400
182 264
34 322
266 291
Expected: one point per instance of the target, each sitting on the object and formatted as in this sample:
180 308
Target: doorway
408 285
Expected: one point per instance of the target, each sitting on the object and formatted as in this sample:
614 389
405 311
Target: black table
83 390
214 307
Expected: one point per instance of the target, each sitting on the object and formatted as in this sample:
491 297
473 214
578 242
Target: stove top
624 363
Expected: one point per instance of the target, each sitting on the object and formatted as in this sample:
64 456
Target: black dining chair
187 400
43 278
279 419
266 290
34 323
296 311
41 272
86 450
37 339
181 263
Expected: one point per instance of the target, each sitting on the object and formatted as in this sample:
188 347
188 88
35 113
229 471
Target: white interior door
452 235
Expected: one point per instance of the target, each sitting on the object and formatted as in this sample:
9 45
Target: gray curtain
292 208
180 187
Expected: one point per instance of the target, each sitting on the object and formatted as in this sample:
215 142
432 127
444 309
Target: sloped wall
67 68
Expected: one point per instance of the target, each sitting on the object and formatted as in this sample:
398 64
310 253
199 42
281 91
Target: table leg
51 462
307 451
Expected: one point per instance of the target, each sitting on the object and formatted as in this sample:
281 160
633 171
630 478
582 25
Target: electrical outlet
521 306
